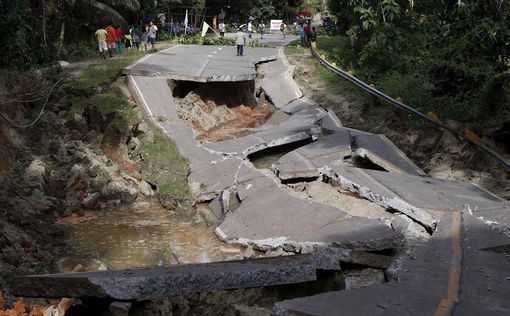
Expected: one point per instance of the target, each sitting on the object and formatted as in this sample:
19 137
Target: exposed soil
218 111
439 153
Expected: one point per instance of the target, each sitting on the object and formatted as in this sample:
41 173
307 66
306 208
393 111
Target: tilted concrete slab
298 105
414 196
305 162
449 275
202 63
331 121
167 281
278 83
382 152
419 291
264 139
269 217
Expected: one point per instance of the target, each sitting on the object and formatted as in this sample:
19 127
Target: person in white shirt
152 34
240 41
221 28
250 29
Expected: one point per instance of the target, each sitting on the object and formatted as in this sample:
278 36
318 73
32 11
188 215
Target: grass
166 167
108 70
163 165
105 72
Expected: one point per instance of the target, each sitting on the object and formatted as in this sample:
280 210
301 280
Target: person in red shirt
308 33
118 39
111 37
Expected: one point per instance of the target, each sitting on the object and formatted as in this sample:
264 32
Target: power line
11 123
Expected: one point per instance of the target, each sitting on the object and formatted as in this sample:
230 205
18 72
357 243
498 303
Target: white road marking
141 96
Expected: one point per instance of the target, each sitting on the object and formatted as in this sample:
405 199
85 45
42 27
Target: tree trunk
61 38
44 23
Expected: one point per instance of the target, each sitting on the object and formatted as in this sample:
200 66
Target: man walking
101 42
282 29
111 38
250 28
240 41
262 29
152 34
221 28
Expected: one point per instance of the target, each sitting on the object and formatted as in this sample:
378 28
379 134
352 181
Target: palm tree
100 12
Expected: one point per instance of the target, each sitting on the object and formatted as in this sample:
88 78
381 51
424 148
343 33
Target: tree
93 11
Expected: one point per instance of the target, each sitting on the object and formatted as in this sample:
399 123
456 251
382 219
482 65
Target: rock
277 253
78 268
35 174
77 172
116 190
249 253
145 188
120 308
71 204
411 230
91 200
133 144
63 63
363 278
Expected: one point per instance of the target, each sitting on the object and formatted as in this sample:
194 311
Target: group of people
110 39
307 33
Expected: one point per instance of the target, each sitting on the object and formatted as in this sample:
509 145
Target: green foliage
104 72
169 168
198 40
112 105
438 56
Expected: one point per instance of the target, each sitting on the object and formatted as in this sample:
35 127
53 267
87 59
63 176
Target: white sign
275 25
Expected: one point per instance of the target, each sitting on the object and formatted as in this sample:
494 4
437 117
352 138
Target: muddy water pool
142 236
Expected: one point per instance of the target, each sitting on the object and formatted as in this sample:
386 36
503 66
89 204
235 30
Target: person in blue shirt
301 31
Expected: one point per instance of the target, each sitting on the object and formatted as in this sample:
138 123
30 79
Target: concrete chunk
269 218
305 161
159 282
382 152
298 105
281 89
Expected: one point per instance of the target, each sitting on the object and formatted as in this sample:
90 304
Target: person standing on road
135 33
152 34
101 35
301 31
111 38
308 33
144 37
221 28
262 29
118 37
313 36
240 41
250 28
282 29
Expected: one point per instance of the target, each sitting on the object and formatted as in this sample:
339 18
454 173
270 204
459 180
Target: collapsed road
459 265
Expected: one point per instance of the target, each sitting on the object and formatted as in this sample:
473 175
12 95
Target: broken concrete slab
298 105
201 63
160 282
418 292
268 138
305 161
331 121
280 88
381 151
413 196
311 115
269 218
